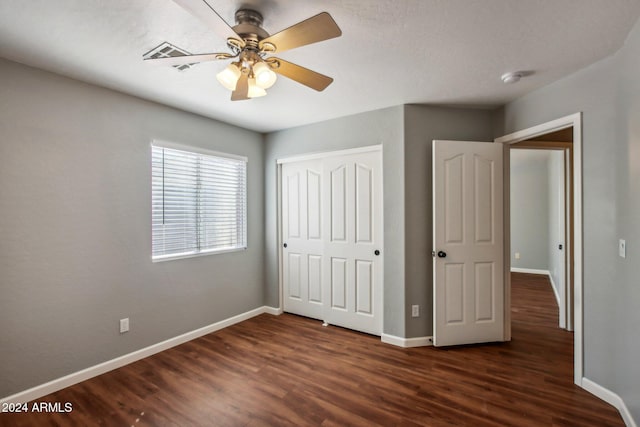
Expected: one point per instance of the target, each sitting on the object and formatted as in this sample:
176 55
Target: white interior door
302 238
353 241
468 243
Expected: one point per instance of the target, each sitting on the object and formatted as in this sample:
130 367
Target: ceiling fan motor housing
249 26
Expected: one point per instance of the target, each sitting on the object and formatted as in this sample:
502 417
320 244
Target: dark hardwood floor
290 371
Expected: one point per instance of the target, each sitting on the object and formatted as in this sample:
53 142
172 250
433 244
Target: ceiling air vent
166 50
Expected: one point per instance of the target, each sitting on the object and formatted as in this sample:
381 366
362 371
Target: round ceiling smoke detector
513 77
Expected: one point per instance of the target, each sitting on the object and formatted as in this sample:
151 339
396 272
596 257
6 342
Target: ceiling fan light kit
265 78
253 70
255 91
229 76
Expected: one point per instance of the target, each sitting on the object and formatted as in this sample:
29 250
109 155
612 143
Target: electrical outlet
517 255
622 248
415 311
124 325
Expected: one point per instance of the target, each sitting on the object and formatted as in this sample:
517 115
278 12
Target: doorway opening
542 234
569 124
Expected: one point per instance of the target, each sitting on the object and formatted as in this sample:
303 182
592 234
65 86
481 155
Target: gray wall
608 94
378 127
423 124
530 213
75 228
406 134
624 314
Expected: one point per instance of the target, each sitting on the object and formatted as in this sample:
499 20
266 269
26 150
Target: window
198 202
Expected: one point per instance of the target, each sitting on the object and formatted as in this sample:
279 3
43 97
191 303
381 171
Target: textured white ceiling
392 52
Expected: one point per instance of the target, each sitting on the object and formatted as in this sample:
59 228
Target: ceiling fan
253 69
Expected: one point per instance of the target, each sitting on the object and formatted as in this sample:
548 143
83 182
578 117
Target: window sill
195 255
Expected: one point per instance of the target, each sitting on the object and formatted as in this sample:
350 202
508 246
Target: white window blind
198 203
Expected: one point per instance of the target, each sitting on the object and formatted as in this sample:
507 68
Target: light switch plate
124 325
415 311
622 248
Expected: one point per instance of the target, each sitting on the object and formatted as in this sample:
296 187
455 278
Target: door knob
376 252
285 245
442 254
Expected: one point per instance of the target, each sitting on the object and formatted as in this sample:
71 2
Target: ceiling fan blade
300 74
187 59
315 29
242 88
203 11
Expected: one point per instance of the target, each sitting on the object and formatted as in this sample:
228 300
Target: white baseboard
109 365
555 291
273 311
611 398
529 270
406 342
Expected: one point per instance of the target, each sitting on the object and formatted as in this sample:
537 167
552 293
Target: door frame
575 121
313 156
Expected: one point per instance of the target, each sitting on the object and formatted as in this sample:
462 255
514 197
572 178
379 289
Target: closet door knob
442 254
